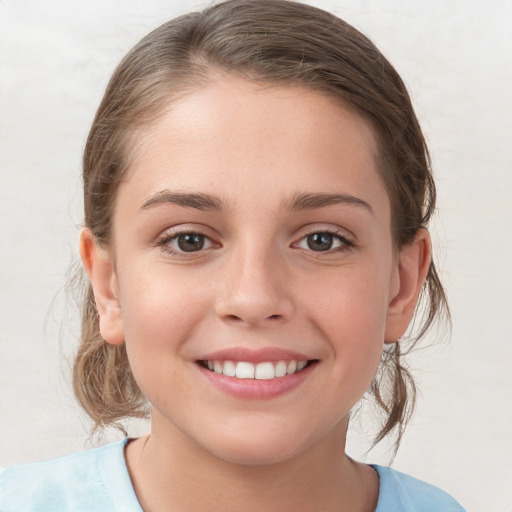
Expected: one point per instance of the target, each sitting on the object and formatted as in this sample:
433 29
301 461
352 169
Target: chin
254 449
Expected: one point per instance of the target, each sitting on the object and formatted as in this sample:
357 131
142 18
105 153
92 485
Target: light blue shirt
98 480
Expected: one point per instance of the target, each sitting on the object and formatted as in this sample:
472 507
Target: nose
255 291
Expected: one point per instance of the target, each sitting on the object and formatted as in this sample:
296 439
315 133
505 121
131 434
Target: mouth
265 370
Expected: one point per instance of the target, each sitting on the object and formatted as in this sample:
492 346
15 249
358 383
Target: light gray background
456 57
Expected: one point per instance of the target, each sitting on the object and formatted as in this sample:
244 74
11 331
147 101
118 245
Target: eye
323 241
186 242
190 242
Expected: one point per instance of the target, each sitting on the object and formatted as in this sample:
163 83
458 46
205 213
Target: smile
266 370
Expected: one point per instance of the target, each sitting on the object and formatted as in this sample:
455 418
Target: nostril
236 318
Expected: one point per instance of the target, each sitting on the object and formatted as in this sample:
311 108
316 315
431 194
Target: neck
172 469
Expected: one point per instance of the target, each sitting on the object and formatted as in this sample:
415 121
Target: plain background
456 58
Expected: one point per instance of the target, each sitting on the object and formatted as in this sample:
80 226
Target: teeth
244 370
264 371
281 369
260 371
229 368
292 367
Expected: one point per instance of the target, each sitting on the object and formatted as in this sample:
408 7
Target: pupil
190 242
320 241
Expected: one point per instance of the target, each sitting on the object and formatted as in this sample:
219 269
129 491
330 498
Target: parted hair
275 42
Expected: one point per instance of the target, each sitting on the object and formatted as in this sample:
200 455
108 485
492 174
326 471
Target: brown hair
277 42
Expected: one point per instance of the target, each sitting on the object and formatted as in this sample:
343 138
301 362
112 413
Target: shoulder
400 492
91 480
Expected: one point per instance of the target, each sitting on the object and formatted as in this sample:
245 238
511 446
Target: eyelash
165 241
345 243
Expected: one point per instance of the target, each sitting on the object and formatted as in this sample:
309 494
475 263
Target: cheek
160 310
351 315
161 313
354 302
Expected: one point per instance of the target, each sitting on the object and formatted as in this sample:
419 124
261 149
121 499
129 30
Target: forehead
233 136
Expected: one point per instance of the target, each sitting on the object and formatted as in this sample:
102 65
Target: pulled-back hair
277 42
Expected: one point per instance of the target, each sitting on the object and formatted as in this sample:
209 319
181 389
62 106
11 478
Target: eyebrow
311 201
199 201
189 200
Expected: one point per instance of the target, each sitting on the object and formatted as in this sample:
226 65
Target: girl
257 191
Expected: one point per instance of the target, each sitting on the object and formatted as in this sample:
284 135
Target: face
253 269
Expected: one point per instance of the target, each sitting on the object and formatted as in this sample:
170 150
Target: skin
255 284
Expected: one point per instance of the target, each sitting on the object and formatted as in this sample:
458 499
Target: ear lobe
99 266
413 265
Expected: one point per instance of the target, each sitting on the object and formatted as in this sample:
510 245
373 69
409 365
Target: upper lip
254 356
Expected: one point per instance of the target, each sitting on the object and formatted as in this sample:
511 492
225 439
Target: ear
413 265
99 266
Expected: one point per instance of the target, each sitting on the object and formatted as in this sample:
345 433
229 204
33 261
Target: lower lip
256 389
